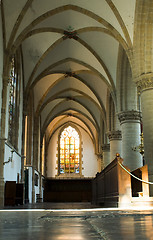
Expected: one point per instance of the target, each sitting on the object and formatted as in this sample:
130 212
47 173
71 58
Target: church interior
76 109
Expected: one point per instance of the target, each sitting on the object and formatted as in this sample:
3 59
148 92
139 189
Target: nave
75 221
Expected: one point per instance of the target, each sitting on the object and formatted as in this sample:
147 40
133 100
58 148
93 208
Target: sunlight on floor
78 210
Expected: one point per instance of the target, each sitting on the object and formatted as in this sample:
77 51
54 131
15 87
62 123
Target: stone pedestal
130 124
115 139
106 154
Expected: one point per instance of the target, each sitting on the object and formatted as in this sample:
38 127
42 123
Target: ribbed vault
70 55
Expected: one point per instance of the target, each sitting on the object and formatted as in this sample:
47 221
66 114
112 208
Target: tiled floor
70 221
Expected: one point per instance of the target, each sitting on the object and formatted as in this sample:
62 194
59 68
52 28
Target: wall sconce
10 159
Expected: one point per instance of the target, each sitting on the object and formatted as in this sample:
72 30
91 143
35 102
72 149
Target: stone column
40 175
35 154
33 185
130 124
2 145
106 154
145 87
115 139
23 146
2 138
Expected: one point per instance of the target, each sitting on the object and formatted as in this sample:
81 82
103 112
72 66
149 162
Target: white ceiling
69 74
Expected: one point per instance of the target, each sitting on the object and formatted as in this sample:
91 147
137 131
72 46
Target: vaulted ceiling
70 55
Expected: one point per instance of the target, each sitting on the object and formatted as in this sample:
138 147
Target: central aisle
61 223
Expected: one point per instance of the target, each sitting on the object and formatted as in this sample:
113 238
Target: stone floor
74 221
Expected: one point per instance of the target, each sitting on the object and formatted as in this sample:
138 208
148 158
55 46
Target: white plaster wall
90 163
11 169
1 60
36 191
30 184
37 187
42 188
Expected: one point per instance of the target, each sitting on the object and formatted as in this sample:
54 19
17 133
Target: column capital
144 82
129 116
114 135
106 147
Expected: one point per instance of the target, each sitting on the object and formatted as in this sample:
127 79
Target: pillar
130 124
2 145
106 154
40 175
145 87
2 138
33 185
115 139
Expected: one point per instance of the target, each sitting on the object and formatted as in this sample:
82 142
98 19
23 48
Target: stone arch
126 88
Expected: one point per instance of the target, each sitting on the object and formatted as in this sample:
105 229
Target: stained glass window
13 102
69 151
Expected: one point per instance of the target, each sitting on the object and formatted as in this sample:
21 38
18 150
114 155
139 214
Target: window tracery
69 151
13 103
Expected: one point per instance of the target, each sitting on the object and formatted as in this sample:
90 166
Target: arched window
69 151
13 103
